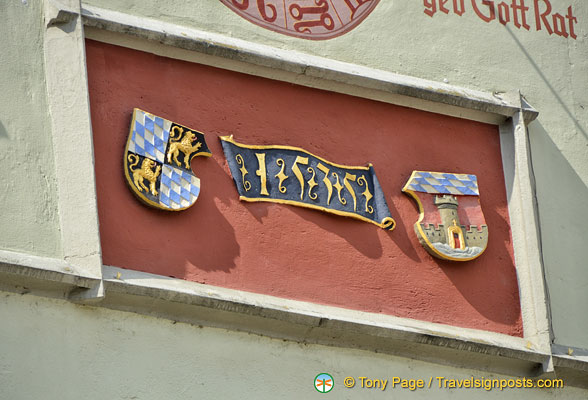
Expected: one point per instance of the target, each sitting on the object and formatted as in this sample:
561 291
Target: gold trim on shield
136 192
429 246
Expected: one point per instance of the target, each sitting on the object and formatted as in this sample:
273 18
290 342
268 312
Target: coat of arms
451 225
157 161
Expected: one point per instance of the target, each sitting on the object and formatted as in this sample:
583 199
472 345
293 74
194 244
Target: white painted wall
29 220
551 72
52 349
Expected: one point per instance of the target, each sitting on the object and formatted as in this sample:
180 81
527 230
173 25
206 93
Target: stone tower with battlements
447 205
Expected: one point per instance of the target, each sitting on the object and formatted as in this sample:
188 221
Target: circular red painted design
308 19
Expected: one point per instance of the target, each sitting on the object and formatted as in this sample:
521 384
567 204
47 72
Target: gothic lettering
542 17
320 184
520 10
563 24
491 13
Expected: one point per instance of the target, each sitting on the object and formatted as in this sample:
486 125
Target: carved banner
308 19
289 175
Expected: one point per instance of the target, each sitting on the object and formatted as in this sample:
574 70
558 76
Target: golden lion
185 146
145 172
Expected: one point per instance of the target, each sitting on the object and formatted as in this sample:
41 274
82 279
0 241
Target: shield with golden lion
157 161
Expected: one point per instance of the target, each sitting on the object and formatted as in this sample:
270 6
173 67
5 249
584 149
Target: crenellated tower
447 205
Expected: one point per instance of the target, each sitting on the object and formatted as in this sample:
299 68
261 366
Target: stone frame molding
80 275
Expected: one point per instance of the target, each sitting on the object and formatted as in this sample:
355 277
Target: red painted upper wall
288 251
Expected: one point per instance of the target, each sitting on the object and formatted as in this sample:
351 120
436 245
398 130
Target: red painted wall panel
283 250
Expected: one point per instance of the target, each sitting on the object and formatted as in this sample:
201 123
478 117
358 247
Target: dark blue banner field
289 175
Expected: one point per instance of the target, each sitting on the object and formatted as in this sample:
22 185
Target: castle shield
157 162
451 225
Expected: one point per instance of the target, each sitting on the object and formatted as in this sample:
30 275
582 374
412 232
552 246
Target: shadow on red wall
283 250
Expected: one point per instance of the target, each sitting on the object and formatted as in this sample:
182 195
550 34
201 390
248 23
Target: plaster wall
29 220
550 70
54 349
291 252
